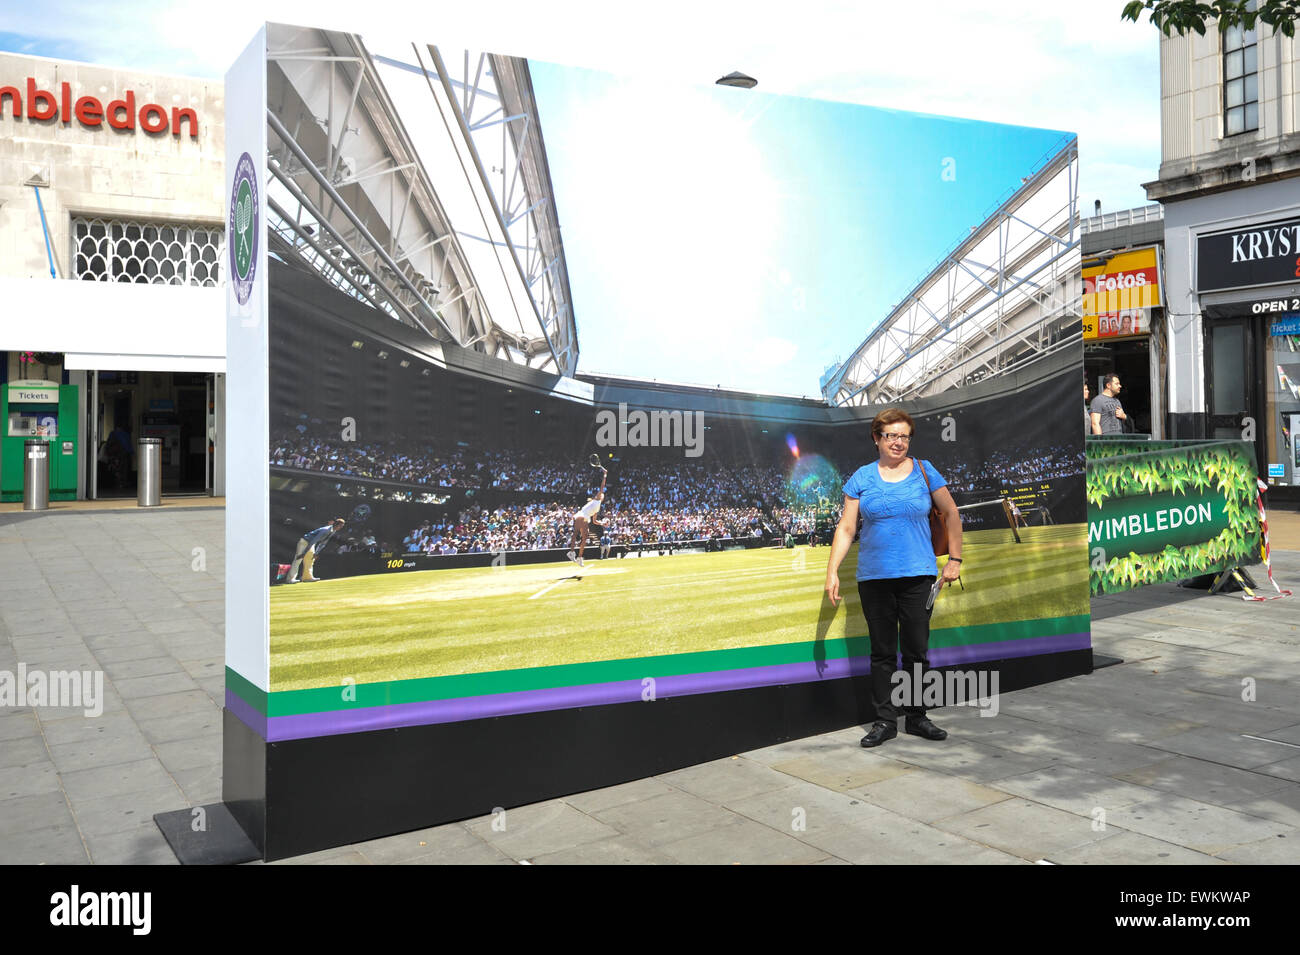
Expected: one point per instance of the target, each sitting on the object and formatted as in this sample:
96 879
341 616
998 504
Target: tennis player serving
582 518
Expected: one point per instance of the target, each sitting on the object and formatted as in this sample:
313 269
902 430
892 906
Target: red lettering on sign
90 111
181 115
40 103
124 106
15 101
156 125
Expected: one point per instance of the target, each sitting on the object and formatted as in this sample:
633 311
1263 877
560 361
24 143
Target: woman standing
896 564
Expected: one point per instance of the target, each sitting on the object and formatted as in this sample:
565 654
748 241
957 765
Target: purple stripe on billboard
336 722
246 713
1005 650
305 725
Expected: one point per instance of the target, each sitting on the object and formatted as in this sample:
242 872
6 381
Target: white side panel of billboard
247 476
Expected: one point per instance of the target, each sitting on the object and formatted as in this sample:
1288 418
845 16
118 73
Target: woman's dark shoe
926 729
880 731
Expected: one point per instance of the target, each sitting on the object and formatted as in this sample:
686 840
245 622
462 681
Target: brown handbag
938 527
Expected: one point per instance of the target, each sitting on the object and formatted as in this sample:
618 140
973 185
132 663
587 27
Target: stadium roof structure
424 195
1008 294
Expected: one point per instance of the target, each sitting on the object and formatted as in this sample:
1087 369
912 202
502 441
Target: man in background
309 546
1107 412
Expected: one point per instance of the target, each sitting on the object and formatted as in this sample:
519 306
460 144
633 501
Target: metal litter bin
149 472
36 474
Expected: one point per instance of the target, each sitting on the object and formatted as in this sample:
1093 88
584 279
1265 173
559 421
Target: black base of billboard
337 790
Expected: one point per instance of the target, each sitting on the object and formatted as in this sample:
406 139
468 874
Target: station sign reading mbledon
1165 510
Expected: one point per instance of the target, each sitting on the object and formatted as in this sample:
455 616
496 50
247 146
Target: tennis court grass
435 623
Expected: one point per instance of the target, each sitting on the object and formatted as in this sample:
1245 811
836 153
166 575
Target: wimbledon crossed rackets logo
243 229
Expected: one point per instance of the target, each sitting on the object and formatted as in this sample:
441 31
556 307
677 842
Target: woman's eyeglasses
905 438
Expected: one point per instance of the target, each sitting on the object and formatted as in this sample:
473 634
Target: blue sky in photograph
733 236
724 236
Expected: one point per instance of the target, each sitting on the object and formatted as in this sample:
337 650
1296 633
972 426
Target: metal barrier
36 474
149 473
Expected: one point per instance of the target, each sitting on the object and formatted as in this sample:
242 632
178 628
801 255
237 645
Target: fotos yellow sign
1118 294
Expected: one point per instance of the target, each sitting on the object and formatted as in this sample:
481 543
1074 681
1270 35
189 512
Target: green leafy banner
1161 511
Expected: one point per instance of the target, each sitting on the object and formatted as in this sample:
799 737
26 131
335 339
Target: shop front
1237 362
1123 325
112 254
177 407
1248 281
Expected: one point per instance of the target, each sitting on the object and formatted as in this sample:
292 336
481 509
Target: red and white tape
1247 593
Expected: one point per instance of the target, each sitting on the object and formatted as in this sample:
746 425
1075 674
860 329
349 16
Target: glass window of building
1240 80
1283 408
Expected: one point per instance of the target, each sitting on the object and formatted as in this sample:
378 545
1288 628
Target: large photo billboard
467 522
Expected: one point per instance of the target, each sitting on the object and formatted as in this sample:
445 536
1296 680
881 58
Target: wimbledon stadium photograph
468 520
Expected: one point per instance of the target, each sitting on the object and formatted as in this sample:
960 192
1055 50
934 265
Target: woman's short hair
891 416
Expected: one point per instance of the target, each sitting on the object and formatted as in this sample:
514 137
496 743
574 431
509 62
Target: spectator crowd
648 500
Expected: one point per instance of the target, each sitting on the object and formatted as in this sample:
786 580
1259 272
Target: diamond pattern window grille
151 253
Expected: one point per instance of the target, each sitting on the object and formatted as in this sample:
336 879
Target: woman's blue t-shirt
895 539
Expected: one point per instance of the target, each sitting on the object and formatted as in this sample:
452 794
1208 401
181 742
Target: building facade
111 260
1230 186
1124 329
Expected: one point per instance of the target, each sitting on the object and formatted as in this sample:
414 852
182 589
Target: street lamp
738 79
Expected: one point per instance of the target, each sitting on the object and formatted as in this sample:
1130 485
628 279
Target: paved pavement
1159 760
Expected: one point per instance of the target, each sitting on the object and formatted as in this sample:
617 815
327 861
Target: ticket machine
39 409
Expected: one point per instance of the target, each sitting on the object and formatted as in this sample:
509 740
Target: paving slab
39 777
928 796
143 845
58 732
22 752
1197 825
725 779
57 845
100 751
657 820
1076 790
979 762
841 774
102 815
1288 769
1025 828
1274 851
1202 780
481 854
201 786
742 843
542 828
616 850
38 811
114 780
408 846
619 795
1280 805
15 725
1132 848
1222 746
